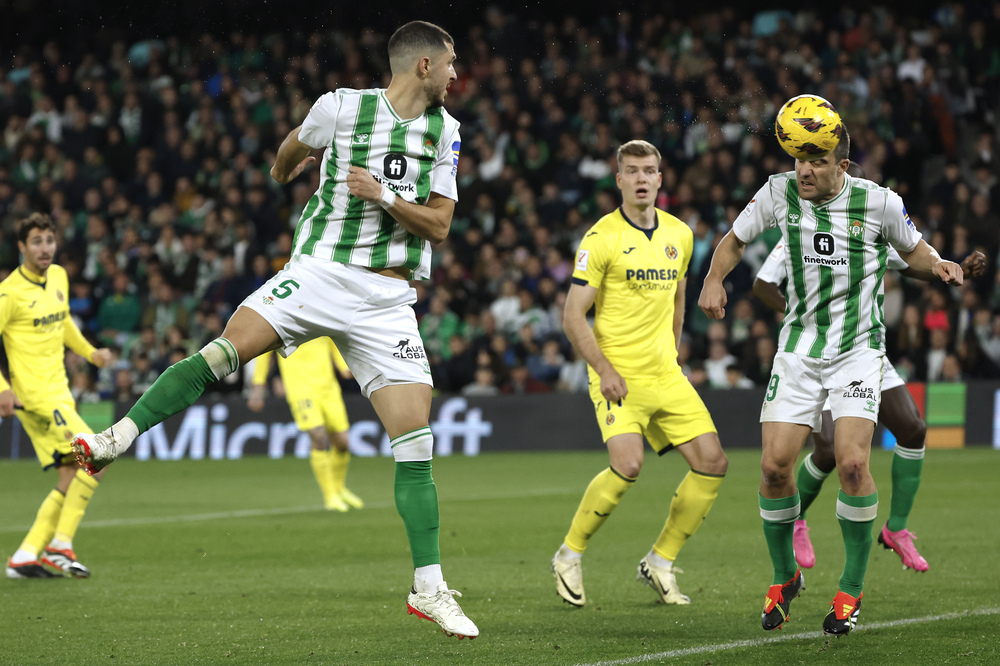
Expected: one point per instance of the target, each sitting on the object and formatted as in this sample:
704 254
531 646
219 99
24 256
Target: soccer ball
808 127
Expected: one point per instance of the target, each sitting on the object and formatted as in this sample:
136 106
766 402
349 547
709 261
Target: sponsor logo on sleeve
750 206
906 218
582 257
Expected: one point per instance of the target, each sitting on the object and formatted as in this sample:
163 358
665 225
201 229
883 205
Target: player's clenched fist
362 184
713 299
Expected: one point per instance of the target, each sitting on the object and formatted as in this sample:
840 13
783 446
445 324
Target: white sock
56 544
21 556
427 579
125 432
567 553
658 561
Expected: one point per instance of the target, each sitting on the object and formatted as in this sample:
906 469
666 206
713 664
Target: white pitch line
280 511
758 642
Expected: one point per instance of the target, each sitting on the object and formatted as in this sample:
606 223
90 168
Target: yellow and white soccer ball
808 127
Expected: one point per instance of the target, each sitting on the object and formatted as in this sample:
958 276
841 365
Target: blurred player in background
633 265
387 190
36 328
314 396
898 412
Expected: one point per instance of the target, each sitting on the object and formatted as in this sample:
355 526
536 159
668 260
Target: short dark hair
843 149
34 221
416 37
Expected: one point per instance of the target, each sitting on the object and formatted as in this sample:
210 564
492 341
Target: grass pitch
236 563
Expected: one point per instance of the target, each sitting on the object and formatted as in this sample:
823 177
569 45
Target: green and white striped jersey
411 157
835 260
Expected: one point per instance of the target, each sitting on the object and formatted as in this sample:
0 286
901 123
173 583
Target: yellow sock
78 495
602 496
341 460
322 467
692 501
45 523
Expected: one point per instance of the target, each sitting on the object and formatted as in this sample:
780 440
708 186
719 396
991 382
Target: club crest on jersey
671 252
60 296
610 420
857 228
428 148
361 137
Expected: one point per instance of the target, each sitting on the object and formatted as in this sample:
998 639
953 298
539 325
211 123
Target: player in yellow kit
314 396
36 328
632 265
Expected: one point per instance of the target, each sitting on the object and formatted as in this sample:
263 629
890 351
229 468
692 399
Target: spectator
483 386
521 382
120 312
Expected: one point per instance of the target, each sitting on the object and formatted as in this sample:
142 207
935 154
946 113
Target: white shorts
890 380
800 385
369 317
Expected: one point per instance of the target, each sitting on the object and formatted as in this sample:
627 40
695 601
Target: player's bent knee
413 446
775 476
221 357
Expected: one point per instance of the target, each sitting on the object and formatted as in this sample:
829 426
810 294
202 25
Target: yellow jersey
36 328
636 273
308 367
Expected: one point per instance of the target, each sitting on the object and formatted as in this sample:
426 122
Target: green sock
856 516
176 389
906 467
779 520
417 504
809 481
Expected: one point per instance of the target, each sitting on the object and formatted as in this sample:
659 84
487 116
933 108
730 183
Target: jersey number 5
284 290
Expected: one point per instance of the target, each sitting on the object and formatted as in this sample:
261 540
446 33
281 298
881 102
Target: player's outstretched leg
176 389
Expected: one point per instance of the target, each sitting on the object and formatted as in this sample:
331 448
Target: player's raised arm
973 265
579 300
925 259
713 294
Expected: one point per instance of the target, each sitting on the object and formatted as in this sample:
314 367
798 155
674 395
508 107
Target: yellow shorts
52 432
314 408
667 411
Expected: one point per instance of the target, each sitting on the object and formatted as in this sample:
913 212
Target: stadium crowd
153 159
